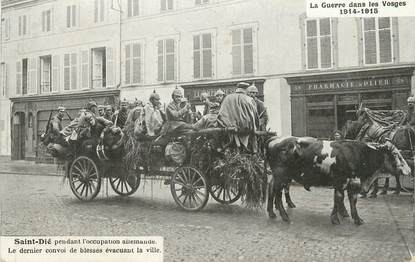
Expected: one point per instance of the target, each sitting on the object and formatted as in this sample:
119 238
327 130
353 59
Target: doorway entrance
19 136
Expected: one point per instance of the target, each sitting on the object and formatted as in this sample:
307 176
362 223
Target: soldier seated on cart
175 114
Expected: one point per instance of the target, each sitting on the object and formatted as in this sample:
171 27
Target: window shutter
25 23
68 16
198 2
395 40
196 56
170 4
129 8
5 80
102 10
109 67
7 28
55 73
236 52
136 63
49 20
160 60
127 64
170 51
18 77
248 55
74 72
85 69
96 8
20 25
67 72
74 16
43 21
163 5
32 73
207 55
135 7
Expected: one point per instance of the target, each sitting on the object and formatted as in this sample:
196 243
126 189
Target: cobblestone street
44 205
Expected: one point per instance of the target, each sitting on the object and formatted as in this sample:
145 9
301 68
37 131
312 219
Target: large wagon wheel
84 178
126 184
226 192
189 188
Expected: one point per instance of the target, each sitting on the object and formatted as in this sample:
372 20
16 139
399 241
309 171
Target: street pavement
35 200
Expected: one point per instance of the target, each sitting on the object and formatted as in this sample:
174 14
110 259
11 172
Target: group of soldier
241 109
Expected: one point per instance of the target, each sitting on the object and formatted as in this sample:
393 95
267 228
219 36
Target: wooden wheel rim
126 185
189 188
84 178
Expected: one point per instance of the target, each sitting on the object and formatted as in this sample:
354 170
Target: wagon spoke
195 195
180 183
80 184
216 189
83 188
179 176
197 180
86 191
77 168
93 175
200 193
93 187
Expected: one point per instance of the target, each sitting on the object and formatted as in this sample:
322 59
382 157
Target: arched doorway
19 136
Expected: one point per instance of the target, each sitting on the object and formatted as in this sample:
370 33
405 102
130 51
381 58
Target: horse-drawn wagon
196 164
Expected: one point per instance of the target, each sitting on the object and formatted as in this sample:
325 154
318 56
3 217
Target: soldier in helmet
176 113
219 95
411 110
153 116
101 110
252 91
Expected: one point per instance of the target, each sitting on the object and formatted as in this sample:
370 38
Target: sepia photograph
207 130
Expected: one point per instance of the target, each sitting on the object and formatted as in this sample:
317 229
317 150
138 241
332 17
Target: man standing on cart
239 110
262 110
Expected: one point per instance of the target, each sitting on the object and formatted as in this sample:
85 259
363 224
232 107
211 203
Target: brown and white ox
341 164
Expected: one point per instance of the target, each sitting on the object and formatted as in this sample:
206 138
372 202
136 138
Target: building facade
311 73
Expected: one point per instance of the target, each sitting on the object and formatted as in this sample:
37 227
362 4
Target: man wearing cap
108 112
239 110
120 116
101 110
262 110
55 124
153 116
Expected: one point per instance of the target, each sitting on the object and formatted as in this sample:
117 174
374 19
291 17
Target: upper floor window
201 2
6 28
23 25
132 8
242 51
166 5
166 62
377 40
46 20
99 11
71 16
319 50
202 56
133 63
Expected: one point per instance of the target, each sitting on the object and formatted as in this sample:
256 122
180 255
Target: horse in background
403 137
